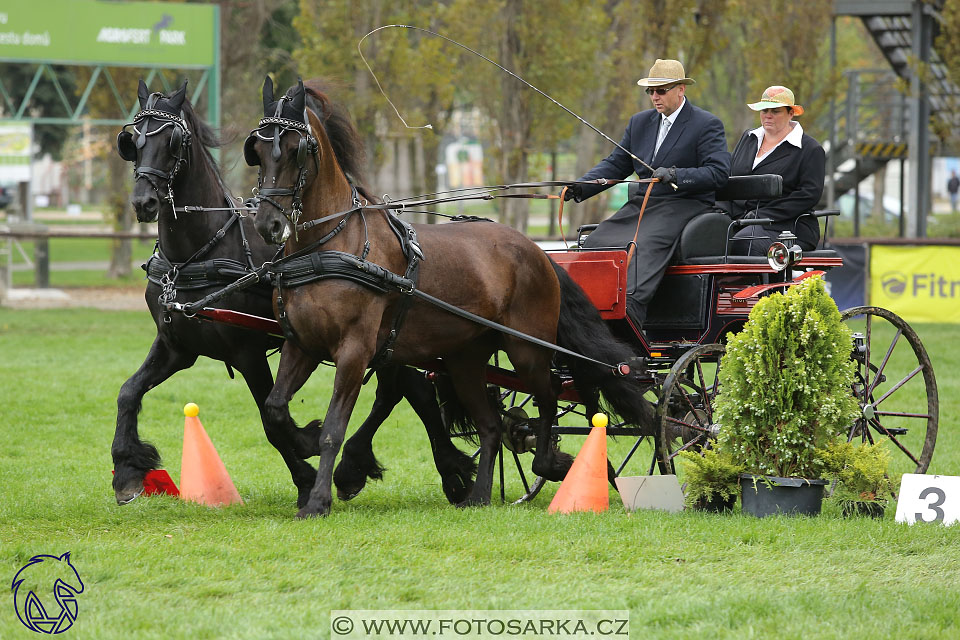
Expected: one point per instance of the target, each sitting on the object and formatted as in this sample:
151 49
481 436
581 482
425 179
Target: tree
552 45
413 69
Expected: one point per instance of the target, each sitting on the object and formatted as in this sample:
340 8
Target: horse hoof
308 512
455 491
473 502
128 494
346 495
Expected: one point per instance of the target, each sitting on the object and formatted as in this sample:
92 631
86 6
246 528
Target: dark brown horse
347 307
199 253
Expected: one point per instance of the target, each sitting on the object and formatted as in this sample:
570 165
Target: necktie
664 128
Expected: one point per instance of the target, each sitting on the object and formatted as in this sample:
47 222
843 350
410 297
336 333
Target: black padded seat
705 235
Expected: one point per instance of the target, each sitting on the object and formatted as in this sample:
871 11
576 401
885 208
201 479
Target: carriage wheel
894 385
686 405
518 438
517 485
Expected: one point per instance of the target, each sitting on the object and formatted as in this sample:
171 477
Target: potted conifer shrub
859 473
785 385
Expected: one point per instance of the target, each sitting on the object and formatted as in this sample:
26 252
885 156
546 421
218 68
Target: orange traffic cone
203 478
585 487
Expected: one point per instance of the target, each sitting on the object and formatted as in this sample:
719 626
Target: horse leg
456 468
132 458
532 364
292 445
295 368
467 375
357 462
351 364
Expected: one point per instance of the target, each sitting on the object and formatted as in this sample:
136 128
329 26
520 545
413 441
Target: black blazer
695 145
803 174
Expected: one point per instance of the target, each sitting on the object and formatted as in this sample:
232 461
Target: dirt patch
106 298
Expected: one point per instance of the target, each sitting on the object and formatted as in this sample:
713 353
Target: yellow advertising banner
920 284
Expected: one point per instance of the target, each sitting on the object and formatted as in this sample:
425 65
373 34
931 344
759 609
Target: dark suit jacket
695 145
803 173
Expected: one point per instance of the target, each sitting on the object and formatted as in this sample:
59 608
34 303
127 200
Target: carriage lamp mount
785 252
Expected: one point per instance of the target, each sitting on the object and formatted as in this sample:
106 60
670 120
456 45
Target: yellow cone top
191 410
599 420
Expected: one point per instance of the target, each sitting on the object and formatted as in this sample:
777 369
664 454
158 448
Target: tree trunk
120 212
513 121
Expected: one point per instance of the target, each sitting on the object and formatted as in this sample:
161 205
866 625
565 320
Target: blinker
176 139
249 153
302 151
125 146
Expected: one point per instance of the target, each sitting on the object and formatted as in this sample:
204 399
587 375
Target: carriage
706 294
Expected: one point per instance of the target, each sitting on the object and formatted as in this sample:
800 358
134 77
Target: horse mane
346 142
204 137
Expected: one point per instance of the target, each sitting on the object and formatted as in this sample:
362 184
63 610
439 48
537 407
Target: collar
673 116
795 137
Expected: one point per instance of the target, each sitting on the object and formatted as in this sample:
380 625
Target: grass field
162 568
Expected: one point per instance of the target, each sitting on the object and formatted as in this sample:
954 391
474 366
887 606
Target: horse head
158 145
286 146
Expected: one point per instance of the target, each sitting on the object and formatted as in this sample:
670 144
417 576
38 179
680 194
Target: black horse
199 253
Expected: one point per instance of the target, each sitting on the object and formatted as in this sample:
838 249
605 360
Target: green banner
91 31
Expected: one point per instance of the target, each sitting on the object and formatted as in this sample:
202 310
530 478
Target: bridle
179 145
308 144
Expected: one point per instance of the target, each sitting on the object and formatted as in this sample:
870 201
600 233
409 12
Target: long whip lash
499 66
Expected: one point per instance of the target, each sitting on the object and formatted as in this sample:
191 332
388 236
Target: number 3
933 506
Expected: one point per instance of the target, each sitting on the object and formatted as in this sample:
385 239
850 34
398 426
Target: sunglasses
659 90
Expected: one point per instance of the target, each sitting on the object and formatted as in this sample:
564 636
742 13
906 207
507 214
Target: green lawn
163 568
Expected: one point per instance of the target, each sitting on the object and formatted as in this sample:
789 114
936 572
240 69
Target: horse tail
456 420
581 329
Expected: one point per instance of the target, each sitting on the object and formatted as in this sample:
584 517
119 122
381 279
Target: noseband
179 145
308 145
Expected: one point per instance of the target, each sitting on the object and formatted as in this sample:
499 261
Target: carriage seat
706 235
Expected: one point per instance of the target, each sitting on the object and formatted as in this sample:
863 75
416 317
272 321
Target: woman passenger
779 146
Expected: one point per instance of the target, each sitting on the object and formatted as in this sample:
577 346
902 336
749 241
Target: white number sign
929 498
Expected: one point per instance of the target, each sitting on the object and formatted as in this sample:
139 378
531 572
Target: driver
687 145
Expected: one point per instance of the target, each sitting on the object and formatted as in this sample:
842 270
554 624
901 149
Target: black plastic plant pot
717 504
763 496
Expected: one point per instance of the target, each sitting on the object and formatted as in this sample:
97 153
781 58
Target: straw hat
777 96
665 72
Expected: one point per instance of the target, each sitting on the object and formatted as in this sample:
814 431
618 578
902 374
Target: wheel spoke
886 358
686 425
902 382
879 427
686 445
